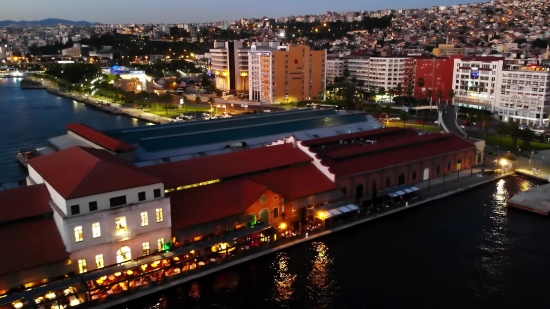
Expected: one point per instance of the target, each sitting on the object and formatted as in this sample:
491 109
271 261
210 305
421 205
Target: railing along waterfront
106 285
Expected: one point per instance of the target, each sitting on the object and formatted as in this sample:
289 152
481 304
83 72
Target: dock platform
536 200
533 174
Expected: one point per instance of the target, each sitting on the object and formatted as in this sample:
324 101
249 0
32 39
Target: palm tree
420 83
381 90
486 121
527 135
452 95
404 117
198 100
513 130
399 89
501 130
480 117
429 94
423 118
439 96
391 92
211 100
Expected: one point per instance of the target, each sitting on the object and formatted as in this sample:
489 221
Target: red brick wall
467 158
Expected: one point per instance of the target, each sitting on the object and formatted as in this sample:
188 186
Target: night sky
188 11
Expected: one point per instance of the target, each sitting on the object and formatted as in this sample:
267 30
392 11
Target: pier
536 200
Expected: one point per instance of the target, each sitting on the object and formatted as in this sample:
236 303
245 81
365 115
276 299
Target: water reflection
226 282
321 285
284 281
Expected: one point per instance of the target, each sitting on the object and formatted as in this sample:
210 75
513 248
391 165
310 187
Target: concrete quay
440 189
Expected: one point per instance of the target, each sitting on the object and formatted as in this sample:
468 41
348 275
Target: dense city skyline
132 11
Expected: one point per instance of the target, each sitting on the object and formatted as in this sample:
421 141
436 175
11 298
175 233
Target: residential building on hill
377 72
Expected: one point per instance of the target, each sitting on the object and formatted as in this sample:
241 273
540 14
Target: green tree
198 100
354 80
346 73
381 90
501 130
452 95
527 135
423 118
361 83
514 131
439 96
404 116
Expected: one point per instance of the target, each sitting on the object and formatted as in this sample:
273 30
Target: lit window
96 230
120 226
160 216
144 219
99 261
82 266
160 243
146 249
78 234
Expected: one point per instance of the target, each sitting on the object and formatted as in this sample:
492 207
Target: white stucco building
107 211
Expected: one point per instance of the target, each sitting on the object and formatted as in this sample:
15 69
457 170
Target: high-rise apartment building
335 67
286 74
477 80
524 94
229 64
377 72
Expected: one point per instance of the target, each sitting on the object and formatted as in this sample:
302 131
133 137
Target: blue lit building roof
243 130
137 135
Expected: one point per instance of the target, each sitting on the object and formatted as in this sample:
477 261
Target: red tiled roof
27 201
99 138
208 203
82 171
295 182
367 134
221 166
378 156
30 244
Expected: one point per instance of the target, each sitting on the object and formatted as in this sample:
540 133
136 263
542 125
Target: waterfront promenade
437 189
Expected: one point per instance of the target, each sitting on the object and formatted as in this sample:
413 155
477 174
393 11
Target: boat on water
30 84
25 155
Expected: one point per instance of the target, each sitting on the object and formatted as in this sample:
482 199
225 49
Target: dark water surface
467 251
29 117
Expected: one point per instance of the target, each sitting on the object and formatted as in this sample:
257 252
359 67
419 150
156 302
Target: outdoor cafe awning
399 191
329 213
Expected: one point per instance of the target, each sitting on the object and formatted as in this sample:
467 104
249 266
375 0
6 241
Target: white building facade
524 95
477 80
377 72
111 226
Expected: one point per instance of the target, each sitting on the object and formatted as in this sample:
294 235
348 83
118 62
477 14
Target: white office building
524 95
107 211
477 81
377 72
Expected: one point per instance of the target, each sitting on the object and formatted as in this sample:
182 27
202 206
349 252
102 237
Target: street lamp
532 152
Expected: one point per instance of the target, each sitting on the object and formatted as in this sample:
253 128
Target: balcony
121 237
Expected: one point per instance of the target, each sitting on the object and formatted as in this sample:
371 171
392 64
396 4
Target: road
449 118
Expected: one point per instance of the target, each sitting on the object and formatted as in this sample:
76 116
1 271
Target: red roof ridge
83 171
402 142
323 168
99 138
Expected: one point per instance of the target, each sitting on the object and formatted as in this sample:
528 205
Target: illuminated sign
119 70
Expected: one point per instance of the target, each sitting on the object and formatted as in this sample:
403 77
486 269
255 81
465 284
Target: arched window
401 179
123 254
359 191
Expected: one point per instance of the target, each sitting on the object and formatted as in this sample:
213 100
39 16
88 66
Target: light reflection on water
283 281
321 284
495 239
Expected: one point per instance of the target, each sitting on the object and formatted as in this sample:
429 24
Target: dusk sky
185 11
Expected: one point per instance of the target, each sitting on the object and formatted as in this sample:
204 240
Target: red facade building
437 74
